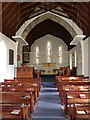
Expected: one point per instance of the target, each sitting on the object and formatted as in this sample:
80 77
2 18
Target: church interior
45 60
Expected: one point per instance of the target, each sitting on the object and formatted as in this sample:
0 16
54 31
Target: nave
43 97
48 105
45 60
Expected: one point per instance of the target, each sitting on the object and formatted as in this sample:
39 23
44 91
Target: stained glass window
60 54
37 55
48 52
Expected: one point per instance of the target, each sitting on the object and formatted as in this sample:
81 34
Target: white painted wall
6 70
88 57
85 54
73 59
85 48
55 43
82 48
77 61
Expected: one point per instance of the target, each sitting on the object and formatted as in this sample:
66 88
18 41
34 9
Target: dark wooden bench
72 88
18 97
30 90
79 112
67 78
33 81
76 98
13 111
76 83
16 83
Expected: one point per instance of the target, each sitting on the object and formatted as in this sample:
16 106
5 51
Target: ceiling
14 14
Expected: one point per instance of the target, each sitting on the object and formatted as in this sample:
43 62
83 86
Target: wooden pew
16 83
13 111
76 88
79 112
76 83
30 90
21 85
30 80
33 81
76 98
15 86
67 78
72 88
18 97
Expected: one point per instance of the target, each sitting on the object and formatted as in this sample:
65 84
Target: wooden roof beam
31 9
74 13
26 5
10 12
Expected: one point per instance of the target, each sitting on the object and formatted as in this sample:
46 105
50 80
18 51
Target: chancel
45 60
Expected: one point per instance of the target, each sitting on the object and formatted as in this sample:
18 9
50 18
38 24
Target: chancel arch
68 24
41 25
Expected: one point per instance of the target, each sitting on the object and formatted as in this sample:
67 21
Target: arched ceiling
49 27
14 14
66 23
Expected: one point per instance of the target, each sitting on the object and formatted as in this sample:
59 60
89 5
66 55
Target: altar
48 69
49 64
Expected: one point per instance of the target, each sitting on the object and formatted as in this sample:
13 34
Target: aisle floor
48 105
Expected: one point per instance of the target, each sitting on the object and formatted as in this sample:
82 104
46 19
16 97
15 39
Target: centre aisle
48 105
